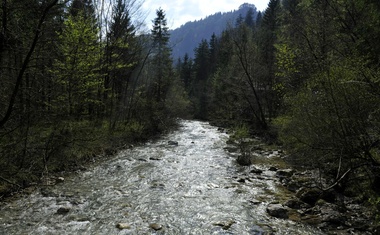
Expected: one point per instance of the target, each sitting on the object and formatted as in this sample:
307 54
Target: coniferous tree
162 61
121 58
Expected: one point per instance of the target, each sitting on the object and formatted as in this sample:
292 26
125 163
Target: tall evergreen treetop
160 29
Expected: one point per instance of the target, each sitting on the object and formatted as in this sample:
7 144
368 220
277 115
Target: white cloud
179 12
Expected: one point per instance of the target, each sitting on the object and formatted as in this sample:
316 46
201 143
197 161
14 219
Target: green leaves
76 73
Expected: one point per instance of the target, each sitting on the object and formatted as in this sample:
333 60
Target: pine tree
162 60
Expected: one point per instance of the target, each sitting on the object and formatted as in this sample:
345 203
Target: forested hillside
185 38
305 74
77 81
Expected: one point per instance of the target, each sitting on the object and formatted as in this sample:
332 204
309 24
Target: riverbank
71 150
301 200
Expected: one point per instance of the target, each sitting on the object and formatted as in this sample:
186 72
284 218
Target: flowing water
191 188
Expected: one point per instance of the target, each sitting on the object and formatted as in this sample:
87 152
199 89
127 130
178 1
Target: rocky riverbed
187 182
301 200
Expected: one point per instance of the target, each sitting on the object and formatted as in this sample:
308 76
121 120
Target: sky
178 12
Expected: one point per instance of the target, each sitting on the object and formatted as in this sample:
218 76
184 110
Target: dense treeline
307 73
79 78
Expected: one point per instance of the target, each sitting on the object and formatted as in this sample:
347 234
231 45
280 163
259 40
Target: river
189 188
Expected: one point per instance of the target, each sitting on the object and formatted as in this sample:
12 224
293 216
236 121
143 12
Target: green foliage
76 73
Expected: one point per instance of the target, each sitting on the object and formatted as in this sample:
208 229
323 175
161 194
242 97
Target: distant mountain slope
185 38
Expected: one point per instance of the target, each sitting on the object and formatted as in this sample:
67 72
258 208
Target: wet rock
155 158
296 204
123 226
333 217
272 168
59 180
172 143
310 196
244 160
254 202
256 230
311 219
292 186
155 226
157 185
63 210
256 171
224 224
285 173
241 180
278 211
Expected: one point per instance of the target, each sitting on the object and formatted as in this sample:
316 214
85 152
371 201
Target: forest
81 79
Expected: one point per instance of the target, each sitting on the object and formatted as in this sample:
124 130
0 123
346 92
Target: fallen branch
338 180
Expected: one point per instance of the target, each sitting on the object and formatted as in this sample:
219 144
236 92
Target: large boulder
63 210
296 204
278 211
310 196
244 160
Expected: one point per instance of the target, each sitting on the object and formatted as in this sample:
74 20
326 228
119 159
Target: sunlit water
187 189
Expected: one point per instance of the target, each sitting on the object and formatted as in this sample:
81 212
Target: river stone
285 173
272 168
59 180
172 143
256 171
296 204
224 224
63 210
155 226
254 201
278 211
244 160
123 226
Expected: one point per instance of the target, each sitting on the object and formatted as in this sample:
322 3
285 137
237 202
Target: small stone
155 226
256 171
241 180
59 180
63 210
123 226
272 168
285 173
172 143
224 224
254 202
155 158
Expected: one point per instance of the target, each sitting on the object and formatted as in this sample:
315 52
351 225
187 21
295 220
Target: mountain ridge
187 37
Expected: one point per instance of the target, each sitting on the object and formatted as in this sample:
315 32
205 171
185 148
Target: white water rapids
186 189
